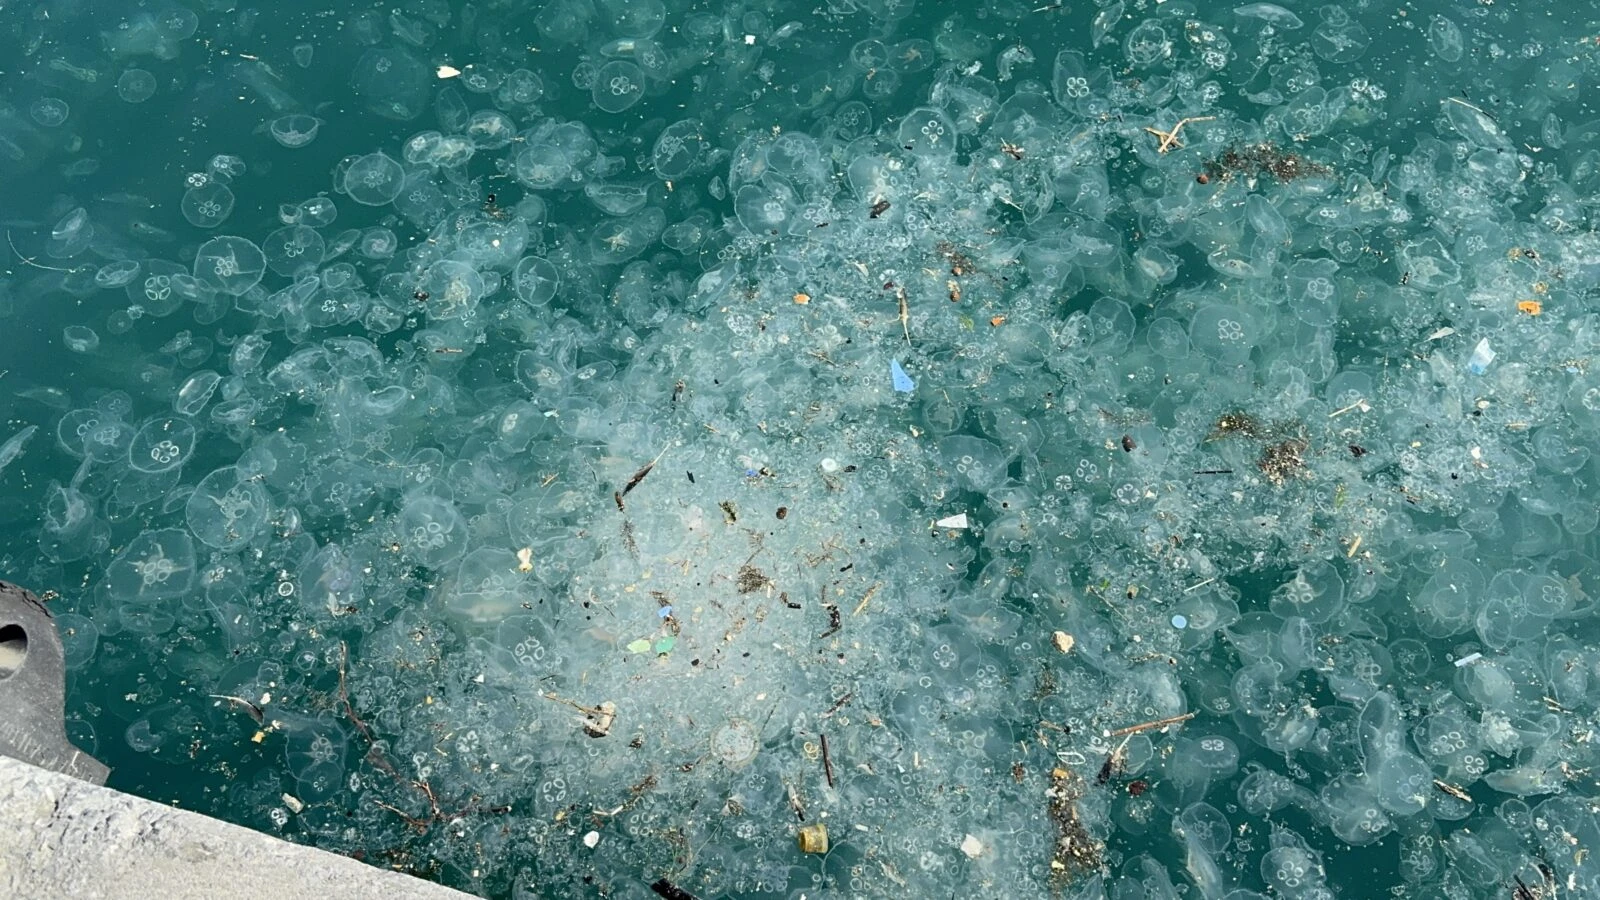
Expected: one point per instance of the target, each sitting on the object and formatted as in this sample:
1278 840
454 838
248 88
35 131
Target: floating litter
958 520
1180 621
1482 356
664 612
902 382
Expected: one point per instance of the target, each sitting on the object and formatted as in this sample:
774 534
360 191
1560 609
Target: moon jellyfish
156 565
535 280
680 150
293 250
71 234
13 447
225 511
452 288
377 243
619 240
927 132
295 129
161 445
488 586
80 638
393 82
374 179
136 86
80 339
116 274
1224 333
618 85
208 205
432 531
50 111
314 750
229 265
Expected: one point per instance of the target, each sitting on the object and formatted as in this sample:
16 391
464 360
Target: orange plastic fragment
997 321
802 299
1531 307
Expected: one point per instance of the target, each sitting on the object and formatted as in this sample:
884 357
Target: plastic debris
597 723
1180 621
447 72
1531 307
903 383
639 646
1063 641
972 847
1468 660
664 612
665 645
813 838
1481 357
294 803
591 840
958 520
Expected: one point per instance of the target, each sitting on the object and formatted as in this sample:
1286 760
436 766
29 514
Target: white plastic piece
448 72
1468 660
972 847
1482 356
958 520
591 839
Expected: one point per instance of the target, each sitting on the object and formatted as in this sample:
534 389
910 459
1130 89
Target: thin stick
827 762
1147 726
1196 587
1169 139
866 597
29 260
639 475
905 313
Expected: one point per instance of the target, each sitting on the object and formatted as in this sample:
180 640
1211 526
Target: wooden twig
1147 726
1169 139
827 762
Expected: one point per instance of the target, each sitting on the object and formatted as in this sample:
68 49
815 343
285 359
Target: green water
398 722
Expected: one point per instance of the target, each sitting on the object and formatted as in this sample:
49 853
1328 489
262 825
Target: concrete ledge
68 839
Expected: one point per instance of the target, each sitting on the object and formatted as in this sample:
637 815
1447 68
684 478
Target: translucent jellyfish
432 531
70 235
229 265
80 638
1444 39
293 250
117 274
495 244
208 205
453 289
225 167
302 55
765 213
393 83
490 129
374 179
489 585
161 445
49 111
317 212
196 391
1147 44
156 565
535 280
80 339
1339 39
619 240
927 132
616 199
331 580
1224 333
294 130
161 291
680 150
1316 594
377 243
1429 263
13 447
226 512
136 86
618 85
633 18
314 749
1270 13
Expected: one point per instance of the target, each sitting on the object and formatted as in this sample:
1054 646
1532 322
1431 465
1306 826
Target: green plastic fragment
639 646
665 645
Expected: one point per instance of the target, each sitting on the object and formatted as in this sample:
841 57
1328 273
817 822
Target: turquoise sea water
1124 449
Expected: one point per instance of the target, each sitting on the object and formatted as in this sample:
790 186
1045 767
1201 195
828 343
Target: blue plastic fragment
664 611
1180 621
902 381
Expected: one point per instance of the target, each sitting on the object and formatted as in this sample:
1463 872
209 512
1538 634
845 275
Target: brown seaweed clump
1255 160
1076 852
